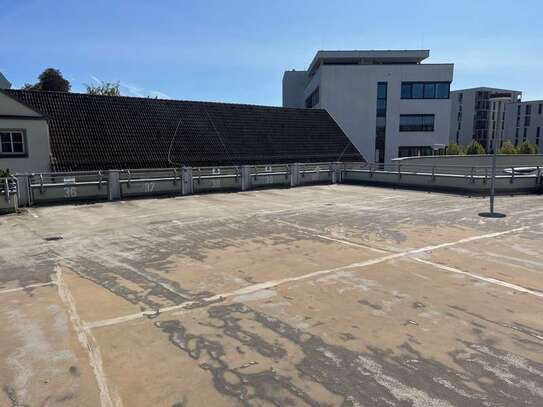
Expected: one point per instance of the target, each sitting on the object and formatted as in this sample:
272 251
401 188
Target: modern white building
524 121
481 114
388 103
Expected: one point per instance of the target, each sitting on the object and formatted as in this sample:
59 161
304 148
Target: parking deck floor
323 295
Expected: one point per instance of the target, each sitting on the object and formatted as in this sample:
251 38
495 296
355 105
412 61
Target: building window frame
425 90
419 123
13 143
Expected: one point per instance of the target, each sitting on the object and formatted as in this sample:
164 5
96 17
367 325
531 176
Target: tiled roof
102 132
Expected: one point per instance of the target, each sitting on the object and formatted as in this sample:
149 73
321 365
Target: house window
525 134
528 109
380 121
425 90
417 122
526 121
537 134
414 151
540 108
12 142
313 99
460 97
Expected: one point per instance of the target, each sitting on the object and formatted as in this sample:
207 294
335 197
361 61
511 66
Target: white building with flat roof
388 103
481 114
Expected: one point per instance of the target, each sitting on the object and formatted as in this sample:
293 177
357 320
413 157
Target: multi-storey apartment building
524 121
481 114
388 103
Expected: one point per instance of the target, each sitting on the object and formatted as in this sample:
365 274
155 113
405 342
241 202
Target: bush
4 173
508 148
455 149
475 148
527 148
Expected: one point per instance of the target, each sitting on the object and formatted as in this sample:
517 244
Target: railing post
294 174
512 175
187 186
114 185
334 172
433 173
23 190
472 175
245 177
399 171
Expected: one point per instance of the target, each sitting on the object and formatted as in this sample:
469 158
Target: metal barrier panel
150 182
8 194
270 175
68 186
207 179
315 173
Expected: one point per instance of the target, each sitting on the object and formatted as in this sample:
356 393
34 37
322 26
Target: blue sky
236 51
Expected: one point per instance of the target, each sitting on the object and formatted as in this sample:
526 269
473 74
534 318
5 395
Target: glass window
11 142
418 90
540 109
381 90
5 139
460 97
442 90
526 120
407 91
417 122
528 109
429 91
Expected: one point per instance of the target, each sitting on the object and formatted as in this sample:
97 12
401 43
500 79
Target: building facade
388 103
524 122
481 114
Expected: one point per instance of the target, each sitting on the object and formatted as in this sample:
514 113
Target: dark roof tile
91 132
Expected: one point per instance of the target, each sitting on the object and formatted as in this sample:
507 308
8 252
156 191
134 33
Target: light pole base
492 215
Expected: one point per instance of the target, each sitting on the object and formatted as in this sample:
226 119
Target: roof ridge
203 102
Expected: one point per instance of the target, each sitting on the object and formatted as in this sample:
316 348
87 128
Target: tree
475 148
50 79
527 148
104 89
455 149
508 148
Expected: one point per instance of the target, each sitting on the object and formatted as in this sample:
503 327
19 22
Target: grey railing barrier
119 184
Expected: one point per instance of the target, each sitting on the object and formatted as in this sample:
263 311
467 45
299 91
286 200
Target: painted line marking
27 287
87 342
274 283
478 277
316 233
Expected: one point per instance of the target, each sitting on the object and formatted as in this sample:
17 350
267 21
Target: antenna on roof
171 144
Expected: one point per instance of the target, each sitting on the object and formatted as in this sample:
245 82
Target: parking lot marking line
318 234
26 287
87 342
274 283
478 277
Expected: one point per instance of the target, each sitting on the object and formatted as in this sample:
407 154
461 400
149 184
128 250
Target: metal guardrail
118 184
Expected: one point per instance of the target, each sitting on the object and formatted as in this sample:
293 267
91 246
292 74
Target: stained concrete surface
319 296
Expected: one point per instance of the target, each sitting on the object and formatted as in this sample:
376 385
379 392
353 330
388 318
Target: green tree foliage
50 79
4 173
508 148
455 149
527 148
475 148
104 89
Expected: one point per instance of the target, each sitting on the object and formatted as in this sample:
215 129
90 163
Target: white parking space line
108 398
317 233
482 278
274 283
26 287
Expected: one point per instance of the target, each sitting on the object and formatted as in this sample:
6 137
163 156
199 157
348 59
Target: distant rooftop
368 57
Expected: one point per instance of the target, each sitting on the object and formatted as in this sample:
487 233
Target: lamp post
493 214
